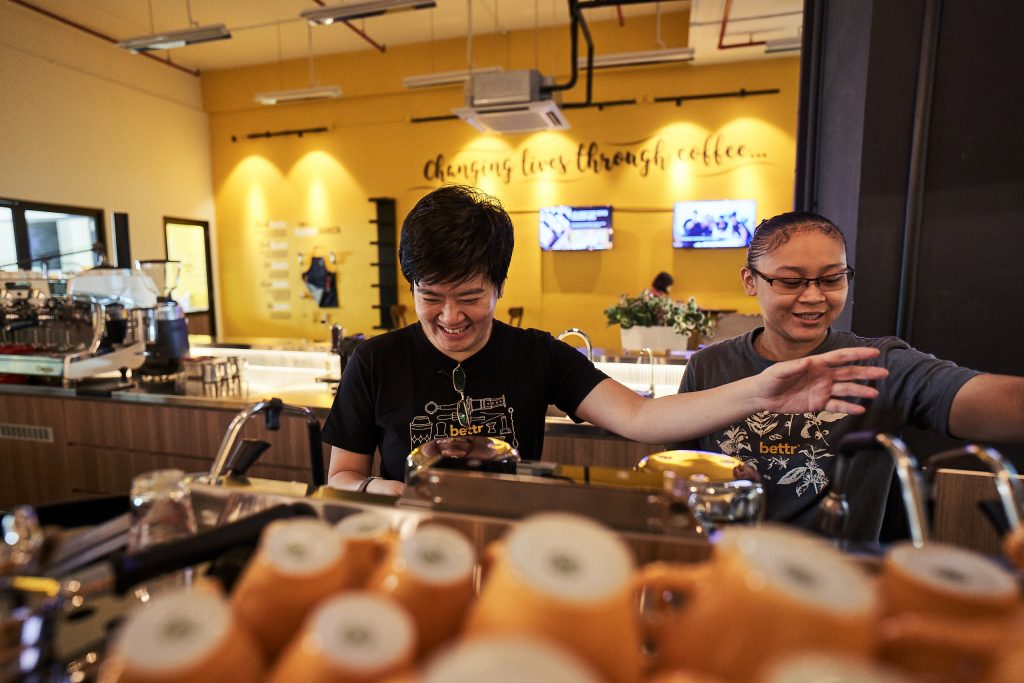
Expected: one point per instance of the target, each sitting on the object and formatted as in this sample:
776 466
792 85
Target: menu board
275 251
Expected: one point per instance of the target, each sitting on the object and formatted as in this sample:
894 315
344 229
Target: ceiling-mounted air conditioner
523 118
510 102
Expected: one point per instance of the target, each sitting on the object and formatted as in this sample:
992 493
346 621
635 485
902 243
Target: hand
745 471
386 487
816 382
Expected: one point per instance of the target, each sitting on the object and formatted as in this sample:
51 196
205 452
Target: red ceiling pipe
721 31
101 36
359 32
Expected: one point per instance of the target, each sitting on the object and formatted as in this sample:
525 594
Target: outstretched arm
989 408
814 383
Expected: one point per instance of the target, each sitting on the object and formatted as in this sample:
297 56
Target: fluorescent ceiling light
446 77
358 10
782 45
681 54
170 39
327 92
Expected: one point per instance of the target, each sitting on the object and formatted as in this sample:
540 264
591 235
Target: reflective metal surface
684 463
473 453
715 504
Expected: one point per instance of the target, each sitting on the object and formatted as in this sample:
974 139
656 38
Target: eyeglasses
459 384
794 285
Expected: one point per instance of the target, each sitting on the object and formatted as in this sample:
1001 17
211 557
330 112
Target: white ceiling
264 31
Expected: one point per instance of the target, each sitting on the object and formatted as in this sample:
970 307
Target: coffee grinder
164 355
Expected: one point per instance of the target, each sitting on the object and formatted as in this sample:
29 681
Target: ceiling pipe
101 36
359 32
578 24
721 32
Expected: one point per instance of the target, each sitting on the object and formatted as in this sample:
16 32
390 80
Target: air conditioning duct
510 102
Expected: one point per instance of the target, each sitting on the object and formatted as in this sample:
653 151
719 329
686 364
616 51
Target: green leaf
649 310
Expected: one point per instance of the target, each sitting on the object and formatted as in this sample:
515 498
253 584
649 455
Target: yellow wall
87 124
281 189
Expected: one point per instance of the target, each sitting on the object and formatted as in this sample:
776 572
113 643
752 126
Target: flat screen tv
713 224
575 228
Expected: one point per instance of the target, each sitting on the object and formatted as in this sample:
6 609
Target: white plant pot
654 338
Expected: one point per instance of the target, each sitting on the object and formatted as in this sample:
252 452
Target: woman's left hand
821 382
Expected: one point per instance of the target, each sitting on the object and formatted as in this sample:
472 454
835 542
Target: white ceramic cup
564 578
508 659
430 572
355 637
183 635
367 538
297 564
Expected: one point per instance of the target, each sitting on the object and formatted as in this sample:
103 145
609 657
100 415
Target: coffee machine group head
167 322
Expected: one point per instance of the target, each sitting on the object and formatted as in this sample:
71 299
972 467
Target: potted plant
657 322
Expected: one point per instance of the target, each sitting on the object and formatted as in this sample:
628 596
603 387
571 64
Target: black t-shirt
397 392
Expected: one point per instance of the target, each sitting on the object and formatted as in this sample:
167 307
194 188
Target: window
35 236
8 247
188 241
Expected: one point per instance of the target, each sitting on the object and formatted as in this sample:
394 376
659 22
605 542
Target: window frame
205 225
22 247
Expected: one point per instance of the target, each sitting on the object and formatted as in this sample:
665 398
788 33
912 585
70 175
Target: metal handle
1007 486
907 473
273 408
582 335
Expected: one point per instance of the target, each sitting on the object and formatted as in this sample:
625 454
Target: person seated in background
459 372
798 270
662 284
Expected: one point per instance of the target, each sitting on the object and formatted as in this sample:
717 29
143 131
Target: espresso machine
95 326
167 323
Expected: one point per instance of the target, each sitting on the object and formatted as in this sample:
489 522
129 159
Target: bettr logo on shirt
466 431
778 449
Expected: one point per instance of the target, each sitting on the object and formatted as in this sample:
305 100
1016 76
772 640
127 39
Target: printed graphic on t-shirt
786 449
487 417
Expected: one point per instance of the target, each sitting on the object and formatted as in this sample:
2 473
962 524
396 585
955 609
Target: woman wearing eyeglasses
459 372
797 269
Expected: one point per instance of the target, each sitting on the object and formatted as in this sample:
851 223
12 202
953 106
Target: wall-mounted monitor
575 228
720 223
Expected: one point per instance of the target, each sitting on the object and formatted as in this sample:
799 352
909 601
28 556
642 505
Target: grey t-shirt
795 454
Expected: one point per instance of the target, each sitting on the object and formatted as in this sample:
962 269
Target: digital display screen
720 223
575 228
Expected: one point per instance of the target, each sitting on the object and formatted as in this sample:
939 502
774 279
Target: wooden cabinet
109 471
958 517
33 450
601 450
59 448
179 430
110 441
